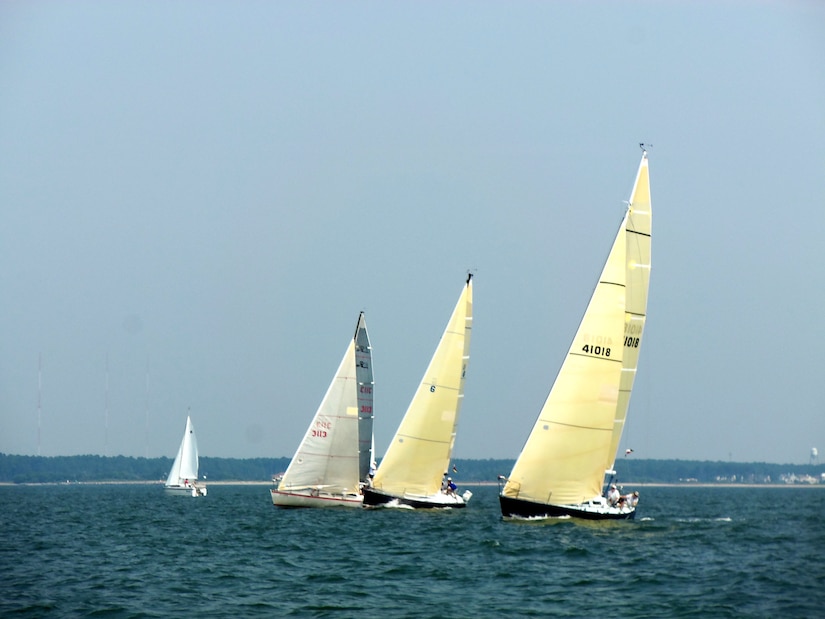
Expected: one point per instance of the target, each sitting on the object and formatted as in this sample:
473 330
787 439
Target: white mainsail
576 437
366 414
420 451
328 457
185 466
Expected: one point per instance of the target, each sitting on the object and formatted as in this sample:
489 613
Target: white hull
311 498
193 491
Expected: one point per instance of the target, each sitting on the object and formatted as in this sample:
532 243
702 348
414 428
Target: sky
198 198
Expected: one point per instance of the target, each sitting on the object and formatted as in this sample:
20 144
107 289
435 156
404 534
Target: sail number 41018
599 351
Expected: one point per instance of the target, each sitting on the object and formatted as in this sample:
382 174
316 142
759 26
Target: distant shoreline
686 484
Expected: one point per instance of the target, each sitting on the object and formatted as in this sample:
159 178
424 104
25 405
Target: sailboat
183 476
572 447
414 469
335 456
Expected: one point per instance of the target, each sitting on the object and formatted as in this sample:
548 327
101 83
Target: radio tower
39 390
106 421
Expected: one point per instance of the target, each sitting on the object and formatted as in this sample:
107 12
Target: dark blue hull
519 508
376 498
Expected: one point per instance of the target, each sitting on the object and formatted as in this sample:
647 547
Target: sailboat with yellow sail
572 447
414 468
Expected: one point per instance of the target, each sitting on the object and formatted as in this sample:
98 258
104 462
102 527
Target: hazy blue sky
203 196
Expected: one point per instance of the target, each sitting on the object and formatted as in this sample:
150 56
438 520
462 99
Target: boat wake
394 504
536 519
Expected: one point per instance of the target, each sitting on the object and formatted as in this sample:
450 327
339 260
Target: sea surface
133 551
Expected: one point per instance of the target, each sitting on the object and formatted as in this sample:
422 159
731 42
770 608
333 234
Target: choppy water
132 551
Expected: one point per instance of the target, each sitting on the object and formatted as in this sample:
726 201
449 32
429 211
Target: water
132 551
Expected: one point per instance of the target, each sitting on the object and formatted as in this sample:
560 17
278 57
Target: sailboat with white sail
335 457
183 476
572 447
414 469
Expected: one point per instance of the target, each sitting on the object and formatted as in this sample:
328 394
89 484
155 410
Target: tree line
92 468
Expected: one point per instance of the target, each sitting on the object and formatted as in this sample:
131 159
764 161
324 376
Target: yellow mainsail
420 451
564 459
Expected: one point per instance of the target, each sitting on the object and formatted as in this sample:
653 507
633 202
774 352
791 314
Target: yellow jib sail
420 451
638 282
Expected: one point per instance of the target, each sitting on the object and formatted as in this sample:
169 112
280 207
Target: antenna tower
39 390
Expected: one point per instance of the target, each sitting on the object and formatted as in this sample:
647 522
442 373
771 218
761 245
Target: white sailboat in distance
183 476
413 472
561 469
334 458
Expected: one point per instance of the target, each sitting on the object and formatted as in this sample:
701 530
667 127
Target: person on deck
629 500
451 487
613 495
